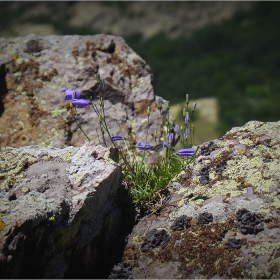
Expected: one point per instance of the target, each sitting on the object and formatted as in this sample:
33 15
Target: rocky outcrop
56 214
222 220
34 71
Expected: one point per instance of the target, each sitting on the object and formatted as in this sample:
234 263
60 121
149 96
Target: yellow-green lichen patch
19 61
2 224
21 124
49 85
263 185
107 158
135 89
246 141
43 102
58 112
264 248
221 188
11 165
43 121
19 88
256 273
54 131
271 168
67 156
25 190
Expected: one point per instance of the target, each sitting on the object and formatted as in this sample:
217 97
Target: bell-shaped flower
177 129
143 146
117 137
71 94
165 144
102 84
193 106
186 133
186 152
187 118
171 137
80 102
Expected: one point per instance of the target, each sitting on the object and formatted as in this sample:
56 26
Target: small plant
145 181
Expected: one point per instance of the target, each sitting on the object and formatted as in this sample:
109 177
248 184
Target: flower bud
159 102
148 111
100 101
184 112
100 119
177 129
102 84
187 99
168 105
193 106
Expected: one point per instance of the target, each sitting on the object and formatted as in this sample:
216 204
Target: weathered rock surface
34 71
222 220
56 214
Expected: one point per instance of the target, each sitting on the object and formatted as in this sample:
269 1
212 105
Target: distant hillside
122 18
227 50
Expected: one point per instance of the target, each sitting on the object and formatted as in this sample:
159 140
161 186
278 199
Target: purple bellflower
186 152
143 146
80 102
71 94
186 134
117 137
193 106
102 84
177 129
187 118
171 137
165 144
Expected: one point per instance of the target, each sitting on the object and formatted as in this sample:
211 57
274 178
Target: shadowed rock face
35 70
56 214
224 226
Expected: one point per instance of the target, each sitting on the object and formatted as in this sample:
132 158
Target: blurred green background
225 55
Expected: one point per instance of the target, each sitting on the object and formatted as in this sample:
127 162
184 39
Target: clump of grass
145 181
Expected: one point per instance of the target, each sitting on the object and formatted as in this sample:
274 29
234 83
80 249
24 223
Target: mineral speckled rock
243 240
34 71
54 203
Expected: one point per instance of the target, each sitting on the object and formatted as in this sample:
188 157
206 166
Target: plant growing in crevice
144 180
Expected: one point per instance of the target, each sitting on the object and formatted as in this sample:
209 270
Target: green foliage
145 179
237 61
149 180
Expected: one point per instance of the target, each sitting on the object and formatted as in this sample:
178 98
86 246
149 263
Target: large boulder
35 69
222 219
56 213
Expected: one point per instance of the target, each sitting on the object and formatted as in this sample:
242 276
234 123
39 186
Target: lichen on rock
234 230
44 205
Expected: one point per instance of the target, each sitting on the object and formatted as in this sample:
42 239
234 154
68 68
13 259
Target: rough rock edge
249 179
56 210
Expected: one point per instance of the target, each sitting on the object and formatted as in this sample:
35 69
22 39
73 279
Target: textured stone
35 70
241 194
54 205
